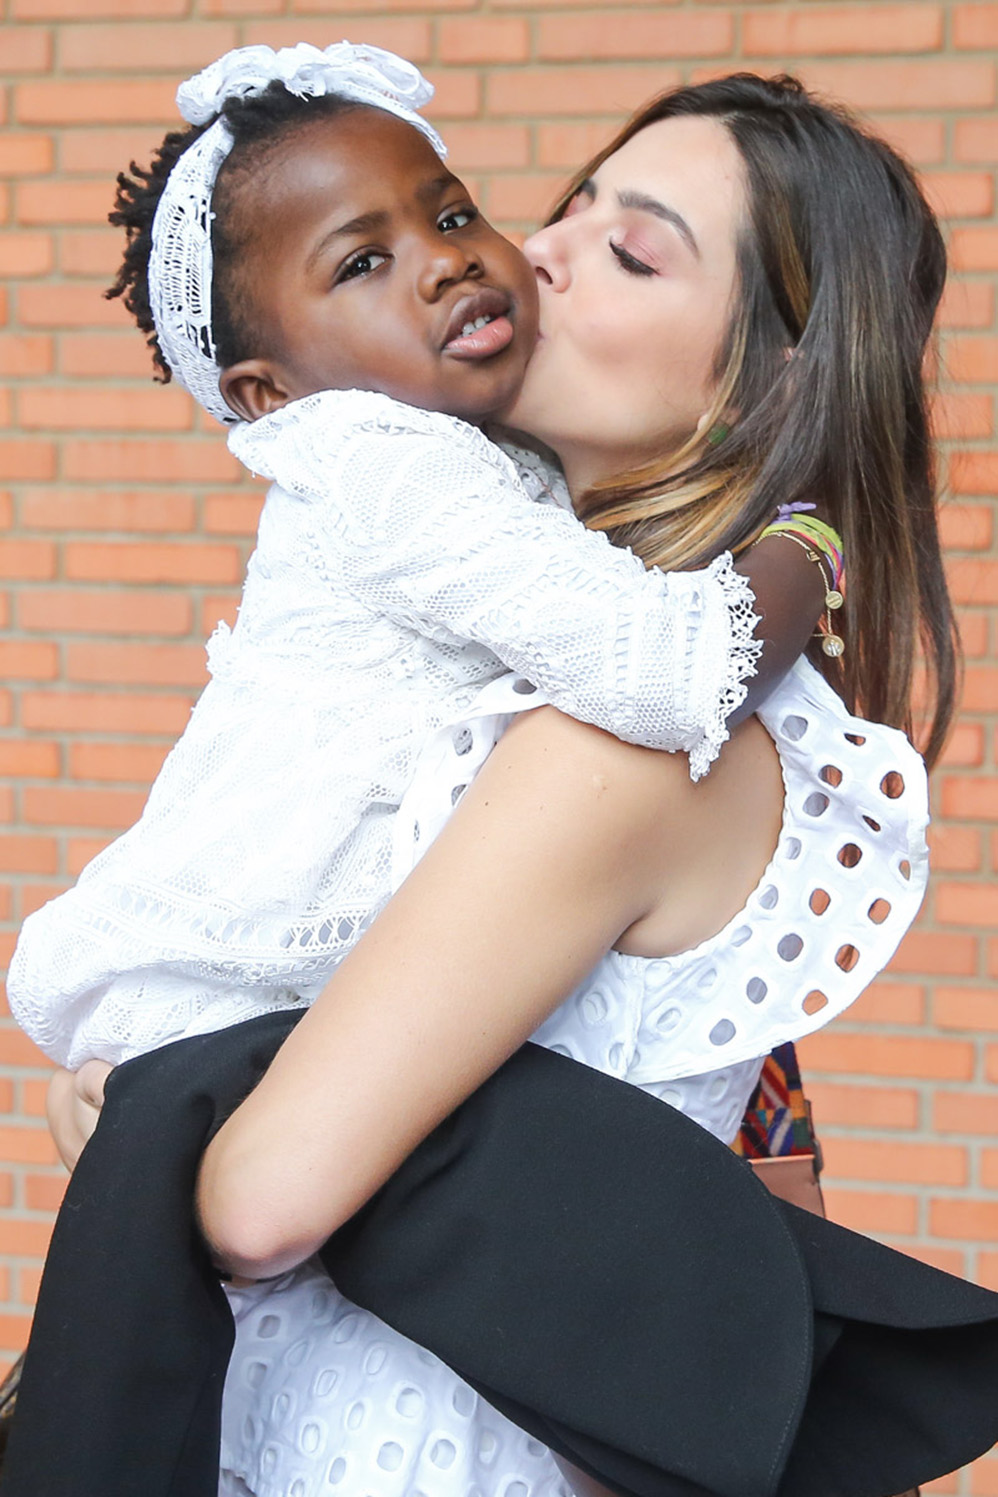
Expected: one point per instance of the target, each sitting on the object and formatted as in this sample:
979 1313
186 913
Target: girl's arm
561 843
427 522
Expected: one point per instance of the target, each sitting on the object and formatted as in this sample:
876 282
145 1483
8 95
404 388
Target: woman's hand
73 1106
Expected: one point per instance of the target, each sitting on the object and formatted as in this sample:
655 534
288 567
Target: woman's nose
445 261
547 253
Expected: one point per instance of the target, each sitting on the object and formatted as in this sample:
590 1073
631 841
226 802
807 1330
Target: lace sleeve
425 520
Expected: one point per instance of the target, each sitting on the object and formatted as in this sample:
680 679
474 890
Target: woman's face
637 284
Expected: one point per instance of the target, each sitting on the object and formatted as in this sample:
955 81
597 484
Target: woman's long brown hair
840 266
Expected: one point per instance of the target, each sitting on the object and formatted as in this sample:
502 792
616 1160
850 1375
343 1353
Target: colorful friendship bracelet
820 541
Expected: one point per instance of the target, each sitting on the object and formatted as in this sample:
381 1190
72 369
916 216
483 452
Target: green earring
717 434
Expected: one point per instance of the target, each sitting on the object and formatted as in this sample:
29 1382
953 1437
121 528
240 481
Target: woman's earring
717 434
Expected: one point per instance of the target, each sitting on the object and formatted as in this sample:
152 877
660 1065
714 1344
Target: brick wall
125 525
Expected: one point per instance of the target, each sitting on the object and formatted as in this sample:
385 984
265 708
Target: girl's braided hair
259 125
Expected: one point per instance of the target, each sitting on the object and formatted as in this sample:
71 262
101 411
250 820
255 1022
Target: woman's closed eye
630 263
361 263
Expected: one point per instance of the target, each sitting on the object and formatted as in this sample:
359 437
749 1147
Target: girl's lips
484 342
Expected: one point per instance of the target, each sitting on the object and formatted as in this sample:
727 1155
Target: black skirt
599 1267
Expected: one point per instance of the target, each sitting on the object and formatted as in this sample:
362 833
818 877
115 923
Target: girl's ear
253 389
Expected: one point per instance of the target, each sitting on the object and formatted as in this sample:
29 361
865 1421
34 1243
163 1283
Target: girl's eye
456 218
628 263
360 264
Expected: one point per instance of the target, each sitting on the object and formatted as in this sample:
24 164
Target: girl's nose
547 253
446 261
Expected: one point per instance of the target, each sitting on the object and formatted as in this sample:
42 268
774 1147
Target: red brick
216 608
975 797
26 49
82 850
955 849
890 1002
17 1050
33 896
965 1112
922 139
872 1210
73 304
351 7
973 359
888 1055
961 416
576 90
119 48
20 459
28 1281
974 140
63 202
23 853
25 254
974 472
149 510
973 582
34 661
62 102
74 611
89 408
108 150
25 1239
120 763
967 904
141 664
44 1192
920 85
479 145
967 304
241 8
66 806
975 26
26 560
966 527
855 1105
232 514
980 688
833 29
27 1146
24 155
104 712
6 511
974 249
25 354
522 198
639 36
481 39
457 96
960 194
407 35
567 145
96 252
140 561
131 461
114 355
974 1221
966 1008
28 758
895 1160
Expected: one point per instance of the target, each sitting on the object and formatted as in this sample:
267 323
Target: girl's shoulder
318 433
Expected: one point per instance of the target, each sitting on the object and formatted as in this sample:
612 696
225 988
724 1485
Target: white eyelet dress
325 1400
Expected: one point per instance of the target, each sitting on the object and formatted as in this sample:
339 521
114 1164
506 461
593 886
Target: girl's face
637 285
366 261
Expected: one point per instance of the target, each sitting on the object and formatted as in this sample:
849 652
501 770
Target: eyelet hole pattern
849 855
879 910
819 901
892 785
831 774
814 1002
846 958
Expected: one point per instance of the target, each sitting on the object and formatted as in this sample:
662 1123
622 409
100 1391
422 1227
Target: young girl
307 249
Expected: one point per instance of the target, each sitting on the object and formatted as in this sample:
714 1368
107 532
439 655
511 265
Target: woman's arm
562 843
789 593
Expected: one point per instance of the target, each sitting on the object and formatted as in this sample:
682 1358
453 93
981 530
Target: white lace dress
401 565
325 1400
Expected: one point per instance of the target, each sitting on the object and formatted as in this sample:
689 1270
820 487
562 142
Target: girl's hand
73 1106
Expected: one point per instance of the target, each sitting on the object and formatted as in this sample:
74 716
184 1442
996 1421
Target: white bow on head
180 262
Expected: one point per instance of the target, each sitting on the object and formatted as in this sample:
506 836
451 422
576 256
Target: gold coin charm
833 598
834 645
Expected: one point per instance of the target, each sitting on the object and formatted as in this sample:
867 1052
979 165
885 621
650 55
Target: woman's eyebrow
645 204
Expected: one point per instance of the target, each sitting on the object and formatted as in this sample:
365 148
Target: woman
724 325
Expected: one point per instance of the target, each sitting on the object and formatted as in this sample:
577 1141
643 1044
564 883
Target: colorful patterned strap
777 1121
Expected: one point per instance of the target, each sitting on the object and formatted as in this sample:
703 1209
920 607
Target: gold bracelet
832 644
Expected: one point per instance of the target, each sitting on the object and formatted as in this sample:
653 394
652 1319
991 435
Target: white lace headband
180 263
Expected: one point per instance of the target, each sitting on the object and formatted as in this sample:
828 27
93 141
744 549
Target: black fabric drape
596 1265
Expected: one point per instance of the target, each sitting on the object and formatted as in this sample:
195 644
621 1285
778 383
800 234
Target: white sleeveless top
323 1399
